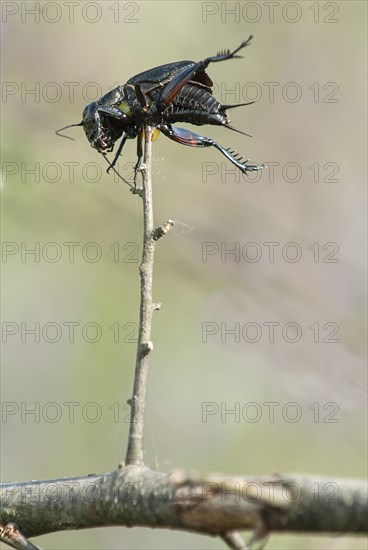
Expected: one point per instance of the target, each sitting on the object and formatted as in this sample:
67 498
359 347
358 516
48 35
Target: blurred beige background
306 68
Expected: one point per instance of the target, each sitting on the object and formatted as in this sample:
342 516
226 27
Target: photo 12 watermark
275 492
277 92
70 12
271 12
270 252
275 172
70 252
68 332
269 412
70 412
270 332
74 172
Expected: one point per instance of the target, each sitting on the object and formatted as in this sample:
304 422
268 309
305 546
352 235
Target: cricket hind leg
191 139
227 54
171 90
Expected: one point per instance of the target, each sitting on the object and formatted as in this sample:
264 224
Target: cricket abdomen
196 105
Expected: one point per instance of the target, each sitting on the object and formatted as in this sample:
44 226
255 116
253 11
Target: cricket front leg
118 153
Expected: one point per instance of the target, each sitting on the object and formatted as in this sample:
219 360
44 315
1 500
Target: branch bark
213 505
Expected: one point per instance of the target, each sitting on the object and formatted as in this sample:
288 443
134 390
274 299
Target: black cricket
175 92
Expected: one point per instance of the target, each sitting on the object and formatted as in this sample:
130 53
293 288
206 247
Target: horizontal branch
215 505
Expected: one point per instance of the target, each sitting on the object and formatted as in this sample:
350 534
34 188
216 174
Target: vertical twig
134 453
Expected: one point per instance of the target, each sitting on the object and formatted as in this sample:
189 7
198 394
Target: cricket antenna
65 127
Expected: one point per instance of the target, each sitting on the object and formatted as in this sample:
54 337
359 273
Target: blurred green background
312 50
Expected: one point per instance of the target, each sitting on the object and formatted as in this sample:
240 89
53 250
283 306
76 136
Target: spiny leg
139 155
171 90
118 153
186 137
227 54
